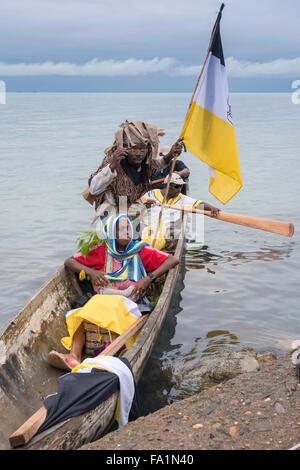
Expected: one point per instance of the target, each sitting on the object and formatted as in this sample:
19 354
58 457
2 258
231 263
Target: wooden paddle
269 225
25 432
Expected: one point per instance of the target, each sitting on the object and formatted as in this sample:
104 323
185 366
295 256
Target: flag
208 131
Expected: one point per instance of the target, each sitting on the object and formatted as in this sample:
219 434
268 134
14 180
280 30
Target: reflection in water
217 339
200 258
189 370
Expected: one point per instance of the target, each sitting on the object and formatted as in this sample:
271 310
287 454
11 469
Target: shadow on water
157 379
171 371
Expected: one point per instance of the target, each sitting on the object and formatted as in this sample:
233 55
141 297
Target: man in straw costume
128 165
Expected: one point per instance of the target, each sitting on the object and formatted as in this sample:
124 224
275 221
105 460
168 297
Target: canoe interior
26 378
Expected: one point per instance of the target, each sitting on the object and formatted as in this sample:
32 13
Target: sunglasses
176 186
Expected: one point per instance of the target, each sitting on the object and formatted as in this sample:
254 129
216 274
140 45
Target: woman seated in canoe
122 266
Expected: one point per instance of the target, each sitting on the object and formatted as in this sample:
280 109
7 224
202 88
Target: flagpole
164 200
181 140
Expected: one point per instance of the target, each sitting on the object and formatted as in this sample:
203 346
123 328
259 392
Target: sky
141 45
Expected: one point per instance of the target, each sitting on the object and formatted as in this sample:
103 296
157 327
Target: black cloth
179 166
135 176
80 300
216 47
298 366
79 393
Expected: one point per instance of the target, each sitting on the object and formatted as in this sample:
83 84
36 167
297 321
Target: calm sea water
239 290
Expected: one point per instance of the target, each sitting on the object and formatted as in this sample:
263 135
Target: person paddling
170 225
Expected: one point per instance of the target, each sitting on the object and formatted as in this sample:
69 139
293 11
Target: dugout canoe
26 378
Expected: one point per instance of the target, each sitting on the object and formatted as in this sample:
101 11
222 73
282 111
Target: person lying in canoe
170 225
122 266
128 165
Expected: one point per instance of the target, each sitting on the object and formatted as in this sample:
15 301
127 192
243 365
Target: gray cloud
78 30
135 67
105 68
139 45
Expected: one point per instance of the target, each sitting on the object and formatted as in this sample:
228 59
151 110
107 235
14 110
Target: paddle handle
269 225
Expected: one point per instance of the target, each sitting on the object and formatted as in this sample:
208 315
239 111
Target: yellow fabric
86 365
106 311
159 196
212 140
149 233
117 412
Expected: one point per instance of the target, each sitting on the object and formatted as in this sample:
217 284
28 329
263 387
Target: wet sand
253 411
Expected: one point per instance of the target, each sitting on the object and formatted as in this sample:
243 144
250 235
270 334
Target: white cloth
127 390
171 218
103 179
126 293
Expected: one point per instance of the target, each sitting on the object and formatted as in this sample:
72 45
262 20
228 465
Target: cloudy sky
141 45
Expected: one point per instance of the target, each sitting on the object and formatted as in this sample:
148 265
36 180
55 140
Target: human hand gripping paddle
269 225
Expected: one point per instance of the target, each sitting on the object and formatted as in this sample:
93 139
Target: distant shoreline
150 92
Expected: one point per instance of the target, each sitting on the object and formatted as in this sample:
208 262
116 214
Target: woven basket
96 338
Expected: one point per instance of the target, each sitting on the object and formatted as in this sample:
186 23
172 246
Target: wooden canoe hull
26 378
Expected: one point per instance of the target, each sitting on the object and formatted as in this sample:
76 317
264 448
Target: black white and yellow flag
208 130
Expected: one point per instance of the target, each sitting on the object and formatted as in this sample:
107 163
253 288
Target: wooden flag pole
174 159
164 200
269 225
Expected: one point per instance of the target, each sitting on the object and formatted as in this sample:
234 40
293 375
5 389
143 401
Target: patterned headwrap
132 267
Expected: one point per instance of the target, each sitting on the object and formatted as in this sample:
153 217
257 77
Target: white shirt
171 218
